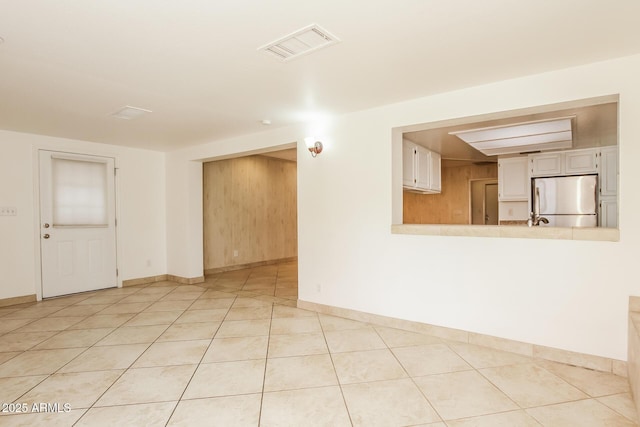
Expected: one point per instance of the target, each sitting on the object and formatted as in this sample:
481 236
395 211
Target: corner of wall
633 356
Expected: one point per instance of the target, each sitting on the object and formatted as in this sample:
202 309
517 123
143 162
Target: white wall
142 220
565 294
17 268
185 255
141 206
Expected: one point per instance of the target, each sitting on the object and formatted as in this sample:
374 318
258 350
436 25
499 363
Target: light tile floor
234 351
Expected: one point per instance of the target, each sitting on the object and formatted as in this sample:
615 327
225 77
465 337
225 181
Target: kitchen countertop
514 231
517 222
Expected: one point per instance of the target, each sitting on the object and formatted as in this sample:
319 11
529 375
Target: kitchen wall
250 207
573 297
451 206
140 200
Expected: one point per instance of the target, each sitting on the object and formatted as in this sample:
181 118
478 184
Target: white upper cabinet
573 162
609 171
548 164
420 168
513 179
423 168
436 172
578 162
408 164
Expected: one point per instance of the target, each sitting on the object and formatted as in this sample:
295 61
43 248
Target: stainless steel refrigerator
566 201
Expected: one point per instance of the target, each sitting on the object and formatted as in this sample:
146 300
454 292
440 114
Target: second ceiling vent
301 42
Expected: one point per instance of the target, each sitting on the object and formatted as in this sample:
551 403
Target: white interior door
77 223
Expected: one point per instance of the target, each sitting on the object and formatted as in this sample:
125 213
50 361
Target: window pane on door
79 192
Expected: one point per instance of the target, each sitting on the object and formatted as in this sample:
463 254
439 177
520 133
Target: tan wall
250 206
451 206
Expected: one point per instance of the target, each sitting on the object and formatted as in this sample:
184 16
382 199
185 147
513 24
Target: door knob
46 236
46 225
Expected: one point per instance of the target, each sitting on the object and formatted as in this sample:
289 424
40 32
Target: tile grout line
522 408
119 327
477 370
85 318
133 362
615 410
567 381
61 367
32 348
264 375
85 410
409 376
527 408
201 358
124 371
335 371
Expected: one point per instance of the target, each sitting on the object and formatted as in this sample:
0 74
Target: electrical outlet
148 263
318 288
8 211
235 252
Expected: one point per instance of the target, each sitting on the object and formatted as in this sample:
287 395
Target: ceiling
593 126
66 65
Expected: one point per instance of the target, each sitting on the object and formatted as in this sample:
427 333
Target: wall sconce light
314 146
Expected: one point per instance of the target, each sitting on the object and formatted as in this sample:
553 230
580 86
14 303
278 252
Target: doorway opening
250 238
484 202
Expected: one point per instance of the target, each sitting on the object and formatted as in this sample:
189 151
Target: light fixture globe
314 147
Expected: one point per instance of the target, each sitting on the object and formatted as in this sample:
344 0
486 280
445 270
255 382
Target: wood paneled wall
250 205
451 206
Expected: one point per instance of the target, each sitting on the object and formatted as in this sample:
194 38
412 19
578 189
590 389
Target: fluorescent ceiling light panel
526 148
543 138
301 42
538 135
128 112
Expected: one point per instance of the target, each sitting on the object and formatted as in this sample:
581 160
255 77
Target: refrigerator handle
535 218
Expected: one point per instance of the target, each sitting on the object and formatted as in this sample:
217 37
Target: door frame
484 208
239 154
487 181
67 148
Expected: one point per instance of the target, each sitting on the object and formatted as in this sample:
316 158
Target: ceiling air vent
301 42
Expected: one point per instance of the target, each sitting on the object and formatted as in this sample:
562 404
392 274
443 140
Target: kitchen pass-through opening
446 181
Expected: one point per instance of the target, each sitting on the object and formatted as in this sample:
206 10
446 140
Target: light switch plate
8 211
